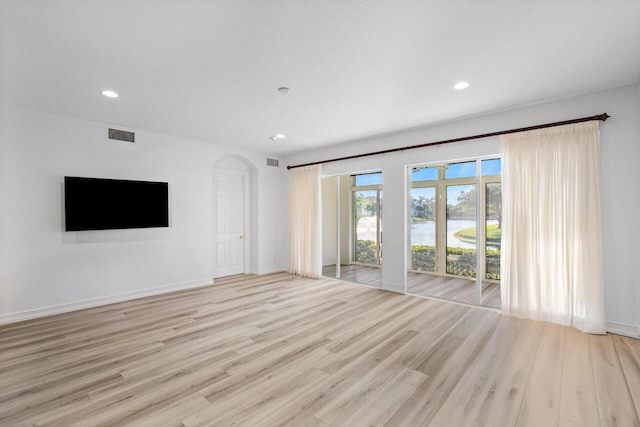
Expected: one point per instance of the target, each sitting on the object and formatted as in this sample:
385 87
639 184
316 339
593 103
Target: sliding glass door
423 228
367 227
446 245
367 208
352 227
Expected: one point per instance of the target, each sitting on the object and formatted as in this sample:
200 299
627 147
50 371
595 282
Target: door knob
241 236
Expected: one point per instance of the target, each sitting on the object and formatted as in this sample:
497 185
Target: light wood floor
356 273
453 288
423 284
282 350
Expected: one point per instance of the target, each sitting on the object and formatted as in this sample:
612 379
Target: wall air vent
273 162
120 135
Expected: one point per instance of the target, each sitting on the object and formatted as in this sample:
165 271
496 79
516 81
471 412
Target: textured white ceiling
210 70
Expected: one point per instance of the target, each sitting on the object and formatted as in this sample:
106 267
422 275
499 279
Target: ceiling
210 70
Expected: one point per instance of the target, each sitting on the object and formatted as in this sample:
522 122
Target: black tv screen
105 204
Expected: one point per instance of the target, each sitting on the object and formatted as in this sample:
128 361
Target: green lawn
494 234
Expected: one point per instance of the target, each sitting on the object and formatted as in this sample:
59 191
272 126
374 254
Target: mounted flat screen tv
106 204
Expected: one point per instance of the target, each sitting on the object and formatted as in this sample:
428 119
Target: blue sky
369 179
491 167
454 170
424 174
459 170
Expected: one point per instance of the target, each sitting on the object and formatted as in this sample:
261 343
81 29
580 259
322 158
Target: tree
494 202
466 206
423 207
364 206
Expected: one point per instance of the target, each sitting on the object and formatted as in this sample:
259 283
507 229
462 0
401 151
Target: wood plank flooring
283 350
356 273
458 289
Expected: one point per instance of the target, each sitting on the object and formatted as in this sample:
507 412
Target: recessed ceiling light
284 90
461 85
280 136
110 93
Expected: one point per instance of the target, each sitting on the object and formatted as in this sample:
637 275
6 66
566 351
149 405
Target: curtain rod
603 117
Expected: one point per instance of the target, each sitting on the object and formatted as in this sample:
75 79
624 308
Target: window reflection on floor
423 284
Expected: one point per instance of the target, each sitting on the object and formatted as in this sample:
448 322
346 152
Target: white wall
345 219
330 220
329 223
620 155
41 266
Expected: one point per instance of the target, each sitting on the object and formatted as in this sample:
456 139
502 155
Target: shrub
423 258
460 261
366 251
493 264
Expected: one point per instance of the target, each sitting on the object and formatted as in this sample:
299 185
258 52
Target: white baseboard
95 302
392 287
263 271
623 329
612 327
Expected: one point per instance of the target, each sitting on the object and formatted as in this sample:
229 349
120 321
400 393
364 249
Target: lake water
423 233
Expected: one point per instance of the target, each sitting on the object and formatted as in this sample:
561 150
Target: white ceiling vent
120 135
273 162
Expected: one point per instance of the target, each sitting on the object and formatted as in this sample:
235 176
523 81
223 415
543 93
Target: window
367 208
423 218
448 203
460 170
461 230
368 179
491 170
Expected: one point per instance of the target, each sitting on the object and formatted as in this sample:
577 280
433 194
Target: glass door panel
380 205
423 229
330 261
367 230
493 209
449 257
461 230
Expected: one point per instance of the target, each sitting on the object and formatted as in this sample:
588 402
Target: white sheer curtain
551 264
305 245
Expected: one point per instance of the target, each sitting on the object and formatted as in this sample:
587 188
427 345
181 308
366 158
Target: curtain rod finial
605 116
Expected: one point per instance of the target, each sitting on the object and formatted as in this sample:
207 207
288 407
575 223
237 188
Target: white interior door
229 197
